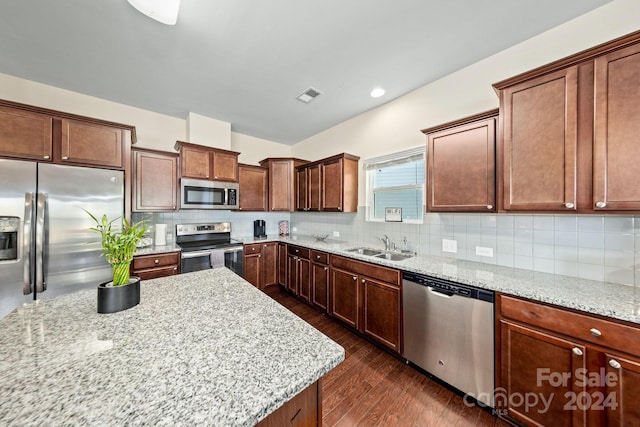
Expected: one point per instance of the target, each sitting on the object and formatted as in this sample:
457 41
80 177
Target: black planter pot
112 299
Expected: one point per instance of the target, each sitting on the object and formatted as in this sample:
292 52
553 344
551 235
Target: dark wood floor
373 388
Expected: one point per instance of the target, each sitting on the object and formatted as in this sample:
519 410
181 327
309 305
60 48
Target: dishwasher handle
441 293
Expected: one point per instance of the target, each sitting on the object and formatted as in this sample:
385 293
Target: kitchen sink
393 256
365 251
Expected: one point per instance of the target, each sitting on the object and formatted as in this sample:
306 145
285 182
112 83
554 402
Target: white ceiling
245 61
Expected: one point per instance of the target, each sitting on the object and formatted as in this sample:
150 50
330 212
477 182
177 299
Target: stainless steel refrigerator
44 230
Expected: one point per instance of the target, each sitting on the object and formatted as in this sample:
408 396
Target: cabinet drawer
298 251
388 275
253 248
143 262
579 326
320 257
155 273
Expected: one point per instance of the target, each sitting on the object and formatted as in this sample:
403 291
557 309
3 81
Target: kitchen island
203 348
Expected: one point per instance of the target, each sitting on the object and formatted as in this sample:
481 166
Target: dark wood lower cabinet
261 264
303 410
381 317
562 368
299 272
320 280
345 297
282 264
252 271
153 266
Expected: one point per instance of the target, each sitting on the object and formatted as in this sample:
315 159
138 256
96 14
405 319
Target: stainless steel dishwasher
449 332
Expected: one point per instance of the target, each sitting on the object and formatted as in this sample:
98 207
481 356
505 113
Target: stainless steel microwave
200 194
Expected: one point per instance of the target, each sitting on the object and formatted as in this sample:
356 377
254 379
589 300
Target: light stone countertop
607 299
153 250
203 348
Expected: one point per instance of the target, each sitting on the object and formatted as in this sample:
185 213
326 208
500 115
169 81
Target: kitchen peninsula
201 348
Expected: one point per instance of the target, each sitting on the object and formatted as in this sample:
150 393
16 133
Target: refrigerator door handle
41 206
27 282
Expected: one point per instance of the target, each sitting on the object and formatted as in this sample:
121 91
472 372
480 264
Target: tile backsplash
597 247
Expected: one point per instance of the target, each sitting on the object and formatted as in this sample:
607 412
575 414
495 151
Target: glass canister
283 228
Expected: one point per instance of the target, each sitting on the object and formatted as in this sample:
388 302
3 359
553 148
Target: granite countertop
153 249
607 299
203 348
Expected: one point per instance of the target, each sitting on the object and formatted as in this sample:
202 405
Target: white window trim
375 162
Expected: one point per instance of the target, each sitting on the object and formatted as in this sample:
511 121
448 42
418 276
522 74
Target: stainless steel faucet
385 239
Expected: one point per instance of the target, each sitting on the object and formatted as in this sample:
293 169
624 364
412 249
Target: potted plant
118 246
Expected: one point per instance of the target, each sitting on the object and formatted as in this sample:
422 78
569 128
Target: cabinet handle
615 364
601 205
596 333
569 205
576 351
46 157
65 158
489 207
355 278
156 261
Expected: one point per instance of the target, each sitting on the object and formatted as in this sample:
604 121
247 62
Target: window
396 181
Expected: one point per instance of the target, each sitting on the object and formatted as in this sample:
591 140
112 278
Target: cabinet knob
156 261
265 246
569 205
174 207
364 281
207 176
46 157
601 205
258 256
175 268
65 157
576 351
317 256
489 207
355 278
614 364
596 333
326 268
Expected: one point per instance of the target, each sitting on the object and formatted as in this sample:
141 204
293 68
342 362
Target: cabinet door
252 269
155 186
304 279
461 168
539 143
25 134
302 186
270 263
319 285
91 144
314 177
382 312
344 297
623 388
332 186
280 185
616 152
282 264
196 163
544 365
225 166
292 274
253 188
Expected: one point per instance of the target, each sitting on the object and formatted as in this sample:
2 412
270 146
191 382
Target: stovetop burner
195 237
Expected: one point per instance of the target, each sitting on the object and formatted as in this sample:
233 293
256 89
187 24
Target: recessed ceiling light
165 11
377 92
308 95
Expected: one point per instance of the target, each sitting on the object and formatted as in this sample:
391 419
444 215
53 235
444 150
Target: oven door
195 261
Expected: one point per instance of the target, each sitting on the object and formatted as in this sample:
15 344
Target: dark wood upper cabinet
203 162
91 144
616 152
461 165
25 134
35 133
253 187
329 184
155 180
568 131
282 182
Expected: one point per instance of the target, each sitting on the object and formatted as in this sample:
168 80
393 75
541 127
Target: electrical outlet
449 246
482 251
336 234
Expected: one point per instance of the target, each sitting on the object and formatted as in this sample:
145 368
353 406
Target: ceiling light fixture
308 95
377 92
165 11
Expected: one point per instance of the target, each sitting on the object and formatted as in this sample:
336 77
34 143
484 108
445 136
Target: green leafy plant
119 244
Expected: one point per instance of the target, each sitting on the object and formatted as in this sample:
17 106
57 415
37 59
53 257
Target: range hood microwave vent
308 95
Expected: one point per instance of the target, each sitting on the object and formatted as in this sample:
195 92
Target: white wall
396 125
154 130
